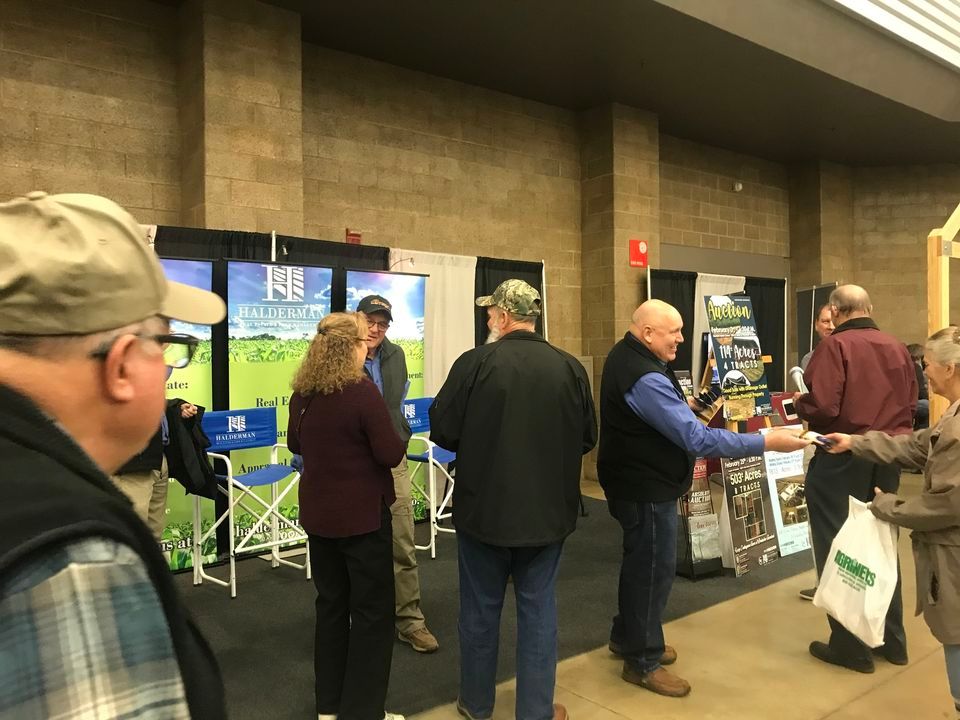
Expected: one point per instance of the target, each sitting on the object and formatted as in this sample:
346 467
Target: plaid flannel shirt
83 635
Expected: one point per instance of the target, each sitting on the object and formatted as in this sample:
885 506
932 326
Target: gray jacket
933 515
393 367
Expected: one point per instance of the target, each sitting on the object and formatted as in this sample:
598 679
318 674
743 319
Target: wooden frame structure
942 246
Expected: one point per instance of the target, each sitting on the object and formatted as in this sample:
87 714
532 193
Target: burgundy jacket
348 445
859 379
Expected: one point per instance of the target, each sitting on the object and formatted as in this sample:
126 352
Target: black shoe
808 594
891 656
822 651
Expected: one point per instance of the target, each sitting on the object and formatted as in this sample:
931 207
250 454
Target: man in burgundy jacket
860 379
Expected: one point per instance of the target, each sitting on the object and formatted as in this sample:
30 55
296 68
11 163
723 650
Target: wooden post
941 247
938 300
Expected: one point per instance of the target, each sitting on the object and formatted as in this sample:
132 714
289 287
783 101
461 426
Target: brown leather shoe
560 712
669 656
660 681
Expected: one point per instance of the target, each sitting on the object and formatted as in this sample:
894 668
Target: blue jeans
484 570
646 576
952 655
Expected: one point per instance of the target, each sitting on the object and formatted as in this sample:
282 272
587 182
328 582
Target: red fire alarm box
638 253
354 237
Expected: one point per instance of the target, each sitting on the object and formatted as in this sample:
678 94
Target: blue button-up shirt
372 367
654 399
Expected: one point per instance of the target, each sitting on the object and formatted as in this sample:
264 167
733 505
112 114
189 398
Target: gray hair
944 346
51 347
851 298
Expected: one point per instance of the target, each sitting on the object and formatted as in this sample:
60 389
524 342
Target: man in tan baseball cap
85 345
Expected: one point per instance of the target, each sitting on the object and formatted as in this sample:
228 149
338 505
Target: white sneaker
393 716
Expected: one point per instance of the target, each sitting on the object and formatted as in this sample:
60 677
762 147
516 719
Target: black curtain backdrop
767 297
340 256
677 288
200 244
493 271
297 251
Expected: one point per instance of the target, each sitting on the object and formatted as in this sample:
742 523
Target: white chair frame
437 512
237 494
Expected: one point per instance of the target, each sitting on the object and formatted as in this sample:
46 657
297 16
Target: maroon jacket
348 445
859 379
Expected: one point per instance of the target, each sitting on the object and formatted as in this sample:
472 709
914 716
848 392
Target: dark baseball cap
375 304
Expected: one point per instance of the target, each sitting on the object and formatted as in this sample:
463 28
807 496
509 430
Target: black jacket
187 461
55 495
393 367
635 461
186 452
520 416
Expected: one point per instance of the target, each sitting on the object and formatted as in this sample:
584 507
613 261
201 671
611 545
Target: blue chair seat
439 455
266 475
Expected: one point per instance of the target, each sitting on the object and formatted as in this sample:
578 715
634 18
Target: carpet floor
264 638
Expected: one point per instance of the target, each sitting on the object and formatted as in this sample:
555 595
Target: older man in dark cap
519 414
386 365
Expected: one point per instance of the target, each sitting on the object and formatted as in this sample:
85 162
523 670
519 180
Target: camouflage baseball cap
514 296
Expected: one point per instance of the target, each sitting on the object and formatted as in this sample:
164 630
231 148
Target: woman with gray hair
934 515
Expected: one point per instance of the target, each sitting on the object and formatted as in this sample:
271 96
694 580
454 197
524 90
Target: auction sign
748 515
736 348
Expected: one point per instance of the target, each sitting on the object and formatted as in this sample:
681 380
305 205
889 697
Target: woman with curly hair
340 425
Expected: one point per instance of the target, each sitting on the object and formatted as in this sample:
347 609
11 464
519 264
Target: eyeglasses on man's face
178 348
382 325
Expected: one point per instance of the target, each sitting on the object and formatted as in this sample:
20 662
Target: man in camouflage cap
519 414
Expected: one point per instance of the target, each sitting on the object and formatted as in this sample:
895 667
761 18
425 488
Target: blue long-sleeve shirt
654 399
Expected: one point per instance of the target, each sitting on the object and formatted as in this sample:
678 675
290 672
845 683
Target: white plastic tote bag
860 574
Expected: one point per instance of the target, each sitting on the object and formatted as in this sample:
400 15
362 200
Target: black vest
54 494
635 461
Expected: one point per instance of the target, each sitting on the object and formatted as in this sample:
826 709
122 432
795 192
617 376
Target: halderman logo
285 281
236 423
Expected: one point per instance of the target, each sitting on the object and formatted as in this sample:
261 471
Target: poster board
748 525
194 384
272 315
785 477
739 359
407 293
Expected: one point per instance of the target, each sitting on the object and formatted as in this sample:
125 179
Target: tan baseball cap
78 264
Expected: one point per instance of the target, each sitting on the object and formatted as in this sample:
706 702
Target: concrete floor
747 659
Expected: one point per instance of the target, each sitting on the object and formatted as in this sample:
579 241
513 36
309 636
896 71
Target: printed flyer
194 384
749 524
272 314
701 519
785 477
736 347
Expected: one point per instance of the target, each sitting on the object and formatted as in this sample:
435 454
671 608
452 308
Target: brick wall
894 210
701 209
88 102
419 162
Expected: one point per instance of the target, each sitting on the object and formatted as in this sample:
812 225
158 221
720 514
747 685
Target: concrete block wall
895 208
88 100
214 114
701 208
423 163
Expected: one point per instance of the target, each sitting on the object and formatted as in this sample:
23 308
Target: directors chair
244 430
